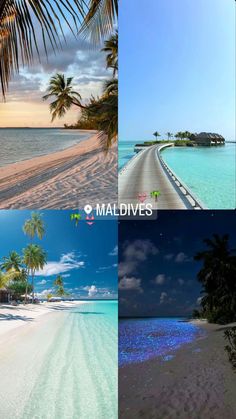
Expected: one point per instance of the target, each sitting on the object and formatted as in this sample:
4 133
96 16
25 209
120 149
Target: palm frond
18 43
100 19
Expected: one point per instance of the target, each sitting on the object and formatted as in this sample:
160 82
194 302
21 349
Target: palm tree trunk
32 286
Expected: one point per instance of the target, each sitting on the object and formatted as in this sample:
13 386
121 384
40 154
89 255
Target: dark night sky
157 270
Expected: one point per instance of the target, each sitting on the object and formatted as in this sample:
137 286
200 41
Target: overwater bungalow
207 139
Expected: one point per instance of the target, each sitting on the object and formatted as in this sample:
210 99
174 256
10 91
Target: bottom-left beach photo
58 316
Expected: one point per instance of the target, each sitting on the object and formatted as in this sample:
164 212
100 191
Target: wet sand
67 179
198 383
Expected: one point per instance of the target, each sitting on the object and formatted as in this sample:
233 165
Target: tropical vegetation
17 271
19 41
217 276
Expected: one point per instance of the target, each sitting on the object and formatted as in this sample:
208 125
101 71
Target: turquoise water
23 144
210 172
126 152
144 339
78 378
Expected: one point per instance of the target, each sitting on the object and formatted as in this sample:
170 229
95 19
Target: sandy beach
26 335
67 179
198 383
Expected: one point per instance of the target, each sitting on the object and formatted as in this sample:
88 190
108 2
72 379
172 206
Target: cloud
66 263
160 279
169 256
43 282
130 284
44 293
181 281
181 257
163 297
114 252
92 291
134 253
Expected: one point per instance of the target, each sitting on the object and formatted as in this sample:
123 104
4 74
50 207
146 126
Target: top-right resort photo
177 146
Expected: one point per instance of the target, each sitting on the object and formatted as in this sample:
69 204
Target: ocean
147 338
209 172
23 144
78 375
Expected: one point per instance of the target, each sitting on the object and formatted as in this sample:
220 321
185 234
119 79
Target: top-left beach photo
58 103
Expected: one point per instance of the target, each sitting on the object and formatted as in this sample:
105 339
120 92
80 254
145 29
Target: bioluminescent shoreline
147 338
209 172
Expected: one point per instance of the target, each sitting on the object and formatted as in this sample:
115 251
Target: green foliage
217 276
230 336
18 288
183 143
196 314
34 226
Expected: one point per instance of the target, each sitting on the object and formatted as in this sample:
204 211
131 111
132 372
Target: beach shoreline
198 382
65 179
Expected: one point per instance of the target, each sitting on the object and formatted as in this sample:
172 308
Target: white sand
26 335
199 383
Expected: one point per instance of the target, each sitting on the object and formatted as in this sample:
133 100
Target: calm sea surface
210 172
78 378
144 339
23 144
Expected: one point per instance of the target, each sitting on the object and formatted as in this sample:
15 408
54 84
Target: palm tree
217 276
104 113
169 135
34 226
156 134
18 41
100 19
59 281
34 259
12 261
111 48
61 89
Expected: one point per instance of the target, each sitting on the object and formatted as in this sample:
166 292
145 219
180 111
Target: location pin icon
88 209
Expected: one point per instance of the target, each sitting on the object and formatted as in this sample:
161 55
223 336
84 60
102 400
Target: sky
24 106
176 67
157 270
86 256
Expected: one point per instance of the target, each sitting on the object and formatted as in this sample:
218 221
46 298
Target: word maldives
124 210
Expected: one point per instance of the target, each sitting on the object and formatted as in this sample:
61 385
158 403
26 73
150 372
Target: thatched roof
207 136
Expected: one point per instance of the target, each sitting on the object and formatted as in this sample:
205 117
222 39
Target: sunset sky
24 106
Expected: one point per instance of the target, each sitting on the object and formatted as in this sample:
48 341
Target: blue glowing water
210 172
144 339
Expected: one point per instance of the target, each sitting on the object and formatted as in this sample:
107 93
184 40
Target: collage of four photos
117 209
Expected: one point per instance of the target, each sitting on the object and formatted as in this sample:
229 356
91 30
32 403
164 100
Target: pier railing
182 189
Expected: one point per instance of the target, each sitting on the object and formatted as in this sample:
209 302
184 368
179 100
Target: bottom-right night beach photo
177 316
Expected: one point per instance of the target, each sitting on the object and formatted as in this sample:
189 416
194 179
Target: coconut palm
217 276
19 41
12 261
62 90
169 135
111 48
34 259
99 20
156 135
58 281
104 113
34 226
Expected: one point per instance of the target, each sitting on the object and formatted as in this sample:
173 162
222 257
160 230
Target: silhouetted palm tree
156 135
18 38
111 48
217 276
61 89
169 135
